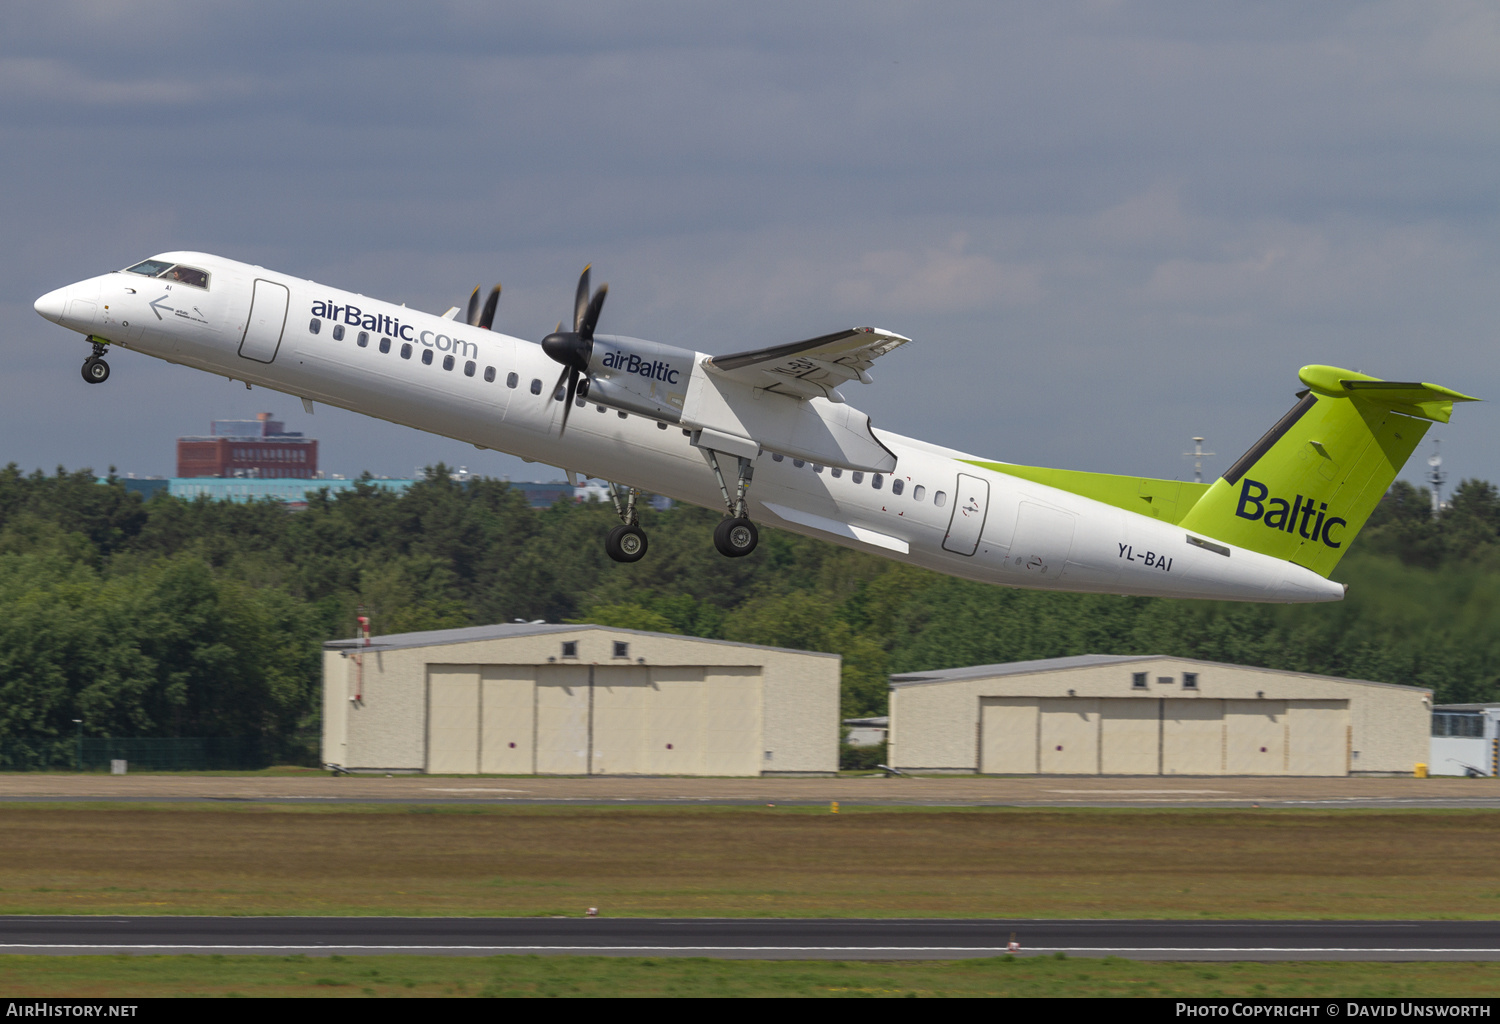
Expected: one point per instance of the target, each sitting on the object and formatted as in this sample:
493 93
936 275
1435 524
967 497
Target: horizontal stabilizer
1167 500
1429 401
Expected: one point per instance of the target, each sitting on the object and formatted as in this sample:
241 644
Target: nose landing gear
95 369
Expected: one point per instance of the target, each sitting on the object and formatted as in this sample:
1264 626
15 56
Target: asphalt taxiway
925 791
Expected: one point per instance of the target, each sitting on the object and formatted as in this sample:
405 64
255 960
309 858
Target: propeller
573 348
477 319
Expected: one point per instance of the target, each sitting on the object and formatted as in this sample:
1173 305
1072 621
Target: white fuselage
951 516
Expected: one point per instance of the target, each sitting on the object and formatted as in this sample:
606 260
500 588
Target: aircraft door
1043 540
971 503
266 322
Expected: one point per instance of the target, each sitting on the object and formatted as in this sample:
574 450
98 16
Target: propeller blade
581 299
488 316
568 401
591 315
472 317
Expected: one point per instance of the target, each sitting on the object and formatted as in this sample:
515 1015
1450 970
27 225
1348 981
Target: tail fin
1304 490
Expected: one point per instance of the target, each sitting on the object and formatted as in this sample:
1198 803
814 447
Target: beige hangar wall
470 702
1088 716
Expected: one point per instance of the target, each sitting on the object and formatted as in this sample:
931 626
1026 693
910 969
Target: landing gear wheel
95 370
626 544
736 537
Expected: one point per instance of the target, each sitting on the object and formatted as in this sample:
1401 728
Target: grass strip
427 976
746 861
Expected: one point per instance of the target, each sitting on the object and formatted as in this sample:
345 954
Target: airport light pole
79 722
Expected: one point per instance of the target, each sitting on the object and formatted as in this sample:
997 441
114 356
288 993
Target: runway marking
460 789
245 947
1112 792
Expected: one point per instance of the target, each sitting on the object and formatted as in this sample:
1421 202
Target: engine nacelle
639 376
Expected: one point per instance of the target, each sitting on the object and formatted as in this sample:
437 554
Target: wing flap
811 368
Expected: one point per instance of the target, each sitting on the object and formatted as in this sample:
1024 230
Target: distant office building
257 449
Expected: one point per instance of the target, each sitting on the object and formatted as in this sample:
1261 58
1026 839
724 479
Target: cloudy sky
1107 226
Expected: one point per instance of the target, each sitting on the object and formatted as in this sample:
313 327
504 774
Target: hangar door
594 720
1162 736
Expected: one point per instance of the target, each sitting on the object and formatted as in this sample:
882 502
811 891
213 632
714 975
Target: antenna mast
1435 475
1198 455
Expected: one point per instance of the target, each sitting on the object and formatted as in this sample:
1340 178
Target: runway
777 939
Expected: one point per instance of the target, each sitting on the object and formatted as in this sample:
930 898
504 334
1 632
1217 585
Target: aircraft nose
53 305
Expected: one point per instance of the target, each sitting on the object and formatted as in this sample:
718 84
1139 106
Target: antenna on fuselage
1198 455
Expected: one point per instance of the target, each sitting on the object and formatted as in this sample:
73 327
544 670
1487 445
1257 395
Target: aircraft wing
811 368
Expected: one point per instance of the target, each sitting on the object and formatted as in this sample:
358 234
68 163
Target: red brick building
257 449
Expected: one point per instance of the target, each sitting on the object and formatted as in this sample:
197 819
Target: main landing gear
735 536
95 369
626 542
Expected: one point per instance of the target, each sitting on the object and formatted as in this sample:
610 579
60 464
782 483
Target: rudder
1304 490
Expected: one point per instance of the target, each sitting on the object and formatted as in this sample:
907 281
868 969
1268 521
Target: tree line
201 618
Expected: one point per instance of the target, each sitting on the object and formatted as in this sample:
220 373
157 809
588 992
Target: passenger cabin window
898 485
512 379
836 471
918 493
489 375
385 345
817 468
469 368
536 385
170 272
777 457
447 362
876 481
314 326
798 463
364 339
338 332
427 357
858 478
406 350
660 425
939 498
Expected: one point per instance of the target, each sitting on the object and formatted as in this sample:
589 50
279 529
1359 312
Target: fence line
149 753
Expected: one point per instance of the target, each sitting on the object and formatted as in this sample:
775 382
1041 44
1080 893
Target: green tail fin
1305 489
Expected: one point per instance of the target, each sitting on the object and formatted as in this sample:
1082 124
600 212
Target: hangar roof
509 630
1017 668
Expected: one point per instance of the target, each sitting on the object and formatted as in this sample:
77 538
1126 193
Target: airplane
701 428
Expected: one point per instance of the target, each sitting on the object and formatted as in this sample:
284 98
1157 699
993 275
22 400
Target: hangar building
1100 714
544 699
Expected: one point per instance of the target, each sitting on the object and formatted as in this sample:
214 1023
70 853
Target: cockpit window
170 272
187 275
150 268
